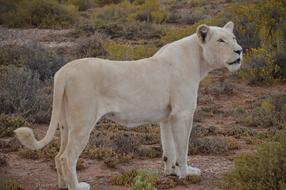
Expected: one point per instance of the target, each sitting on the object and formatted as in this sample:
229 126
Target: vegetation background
238 138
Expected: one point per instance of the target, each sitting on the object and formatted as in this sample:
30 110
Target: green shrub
9 123
239 132
212 145
40 13
145 179
244 15
82 5
118 21
194 16
150 11
267 112
8 184
106 2
90 47
149 179
263 170
150 152
18 89
125 178
255 29
121 51
42 107
7 6
125 144
35 57
217 88
115 13
259 67
23 93
138 179
100 153
48 152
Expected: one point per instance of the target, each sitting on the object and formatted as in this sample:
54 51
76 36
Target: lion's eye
220 40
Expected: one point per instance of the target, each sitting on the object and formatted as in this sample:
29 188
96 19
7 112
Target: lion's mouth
235 62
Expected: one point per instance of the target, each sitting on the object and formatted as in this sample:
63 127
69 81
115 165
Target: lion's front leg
181 128
168 145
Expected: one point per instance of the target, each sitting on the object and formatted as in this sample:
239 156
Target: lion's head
220 47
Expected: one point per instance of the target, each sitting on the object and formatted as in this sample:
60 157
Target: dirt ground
39 174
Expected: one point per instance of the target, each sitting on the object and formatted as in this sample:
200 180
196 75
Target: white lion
162 88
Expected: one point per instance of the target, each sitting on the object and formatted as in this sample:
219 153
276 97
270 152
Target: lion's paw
83 186
193 171
190 171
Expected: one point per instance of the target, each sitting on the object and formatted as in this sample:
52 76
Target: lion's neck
187 54
195 56
203 65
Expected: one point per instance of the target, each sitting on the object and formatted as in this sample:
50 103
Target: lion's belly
134 118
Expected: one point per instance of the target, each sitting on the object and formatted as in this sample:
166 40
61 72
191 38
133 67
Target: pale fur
162 88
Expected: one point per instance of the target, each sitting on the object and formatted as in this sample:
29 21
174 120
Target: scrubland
238 138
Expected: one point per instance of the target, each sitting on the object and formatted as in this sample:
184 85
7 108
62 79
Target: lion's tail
26 135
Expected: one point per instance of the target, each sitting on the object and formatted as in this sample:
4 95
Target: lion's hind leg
70 156
64 140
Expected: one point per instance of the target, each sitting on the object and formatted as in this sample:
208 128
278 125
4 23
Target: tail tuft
27 138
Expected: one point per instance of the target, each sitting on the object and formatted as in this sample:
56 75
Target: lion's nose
238 51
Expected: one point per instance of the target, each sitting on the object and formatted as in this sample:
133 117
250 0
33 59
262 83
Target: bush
245 19
130 30
194 16
18 91
3 160
125 178
150 11
8 184
100 153
106 2
118 21
263 170
40 13
239 132
149 179
121 51
22 93
211 145
145 179
42 107
150 152
259 67
90 47
33 56
82 5
48 152
7 6
255 29
267 112
125 144
221 87
9 123
138 179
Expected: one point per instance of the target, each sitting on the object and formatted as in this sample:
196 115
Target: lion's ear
203 32
229 26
